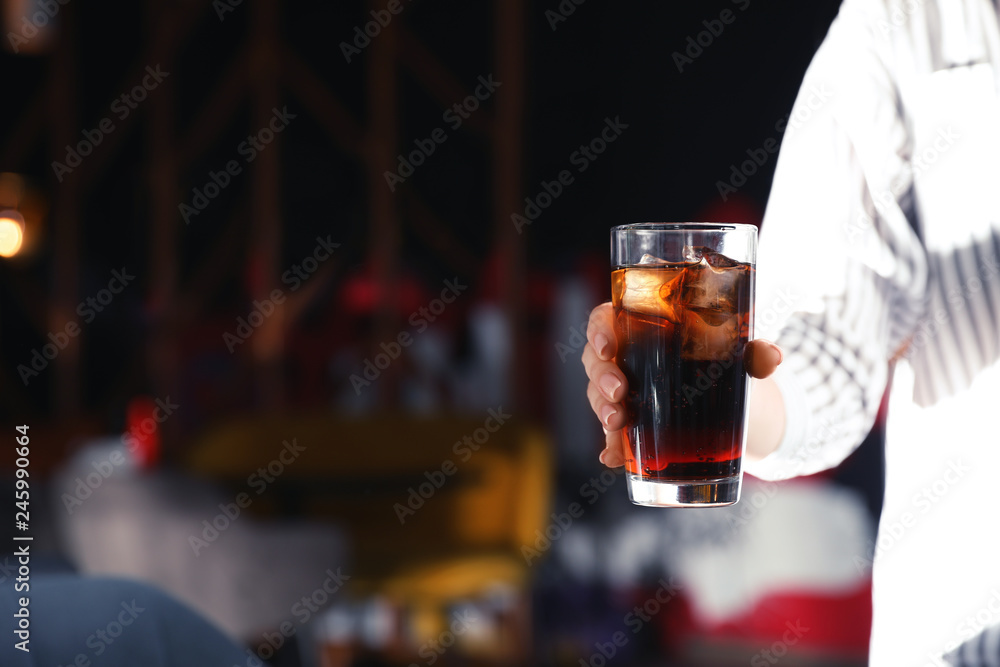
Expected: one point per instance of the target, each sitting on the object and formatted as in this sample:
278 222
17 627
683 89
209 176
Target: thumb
761 358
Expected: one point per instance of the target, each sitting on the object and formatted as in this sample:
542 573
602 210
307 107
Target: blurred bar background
293 295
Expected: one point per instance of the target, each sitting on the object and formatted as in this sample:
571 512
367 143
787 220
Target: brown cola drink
682 328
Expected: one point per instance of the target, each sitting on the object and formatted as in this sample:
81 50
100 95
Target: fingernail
601 457
609 385
781 355
607 412
601 343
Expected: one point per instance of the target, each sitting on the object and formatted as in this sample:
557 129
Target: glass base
701 493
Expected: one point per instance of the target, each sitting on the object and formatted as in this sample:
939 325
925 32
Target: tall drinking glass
683 297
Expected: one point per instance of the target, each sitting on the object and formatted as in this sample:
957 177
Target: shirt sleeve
841 271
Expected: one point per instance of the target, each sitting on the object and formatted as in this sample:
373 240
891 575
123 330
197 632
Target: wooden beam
62 120
169 39
322 105
383 244
438 235
298 302
218 263
162 359
437 80
220 108
265 217
508 136
25 132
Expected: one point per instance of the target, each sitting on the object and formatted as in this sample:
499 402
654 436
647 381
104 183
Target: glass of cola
683 296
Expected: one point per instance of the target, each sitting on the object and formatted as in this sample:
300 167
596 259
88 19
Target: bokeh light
11 233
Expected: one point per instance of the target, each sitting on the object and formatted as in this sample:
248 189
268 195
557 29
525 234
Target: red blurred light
142 431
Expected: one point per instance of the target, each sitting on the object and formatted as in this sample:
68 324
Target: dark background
685 130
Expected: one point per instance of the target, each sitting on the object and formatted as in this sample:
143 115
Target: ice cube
718 260
654 292
709 342
710 291
650 259
693 253
696 253
712 319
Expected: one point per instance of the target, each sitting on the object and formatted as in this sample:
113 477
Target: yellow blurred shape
11 233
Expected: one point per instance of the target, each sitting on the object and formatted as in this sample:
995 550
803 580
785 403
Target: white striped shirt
883 231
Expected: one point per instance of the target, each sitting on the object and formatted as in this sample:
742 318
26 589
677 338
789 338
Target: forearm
767 419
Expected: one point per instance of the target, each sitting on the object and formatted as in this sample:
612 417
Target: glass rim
685 226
